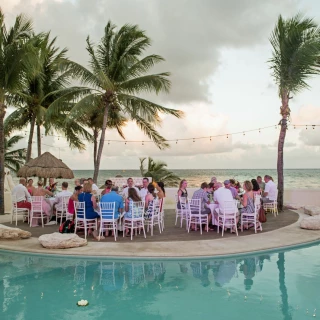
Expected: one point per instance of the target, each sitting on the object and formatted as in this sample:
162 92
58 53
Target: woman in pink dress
30 187
73 198
46 207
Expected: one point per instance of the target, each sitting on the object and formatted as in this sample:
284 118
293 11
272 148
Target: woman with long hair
133 196
182 192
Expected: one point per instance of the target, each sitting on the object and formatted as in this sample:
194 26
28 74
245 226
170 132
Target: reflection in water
110 285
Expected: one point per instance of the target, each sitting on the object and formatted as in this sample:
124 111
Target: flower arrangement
82 303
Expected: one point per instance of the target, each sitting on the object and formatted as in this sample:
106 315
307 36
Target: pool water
277 285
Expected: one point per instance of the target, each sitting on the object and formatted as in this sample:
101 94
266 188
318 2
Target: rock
13 233
58 240
293 206
312 210
311 223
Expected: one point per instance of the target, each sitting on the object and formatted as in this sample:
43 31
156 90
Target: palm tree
158 171
33 102
15 58
13 159
296 57
118 73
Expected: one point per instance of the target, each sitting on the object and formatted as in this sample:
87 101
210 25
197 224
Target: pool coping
282 238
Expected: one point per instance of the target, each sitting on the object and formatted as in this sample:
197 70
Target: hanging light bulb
227 136
259 130
142 143
108 141
313 127
194 140
210 138
244 134
177 142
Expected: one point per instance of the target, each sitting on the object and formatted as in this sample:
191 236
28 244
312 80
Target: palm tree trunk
29 148
39 140
2 114
95 146
283 289
282 136
101 143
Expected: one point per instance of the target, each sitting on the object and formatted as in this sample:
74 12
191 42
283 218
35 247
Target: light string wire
227 135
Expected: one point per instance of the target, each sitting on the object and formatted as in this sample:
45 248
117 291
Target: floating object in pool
229 294
261 298
82 303
245 298
314 312
160 286
307 311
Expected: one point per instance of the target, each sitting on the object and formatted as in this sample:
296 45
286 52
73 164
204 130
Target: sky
217 52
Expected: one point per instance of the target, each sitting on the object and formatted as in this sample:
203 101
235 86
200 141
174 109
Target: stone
312 210
58 240
310 223
293 206
13 233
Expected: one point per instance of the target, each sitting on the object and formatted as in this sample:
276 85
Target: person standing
261 183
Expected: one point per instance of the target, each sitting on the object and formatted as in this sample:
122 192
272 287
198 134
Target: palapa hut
46 166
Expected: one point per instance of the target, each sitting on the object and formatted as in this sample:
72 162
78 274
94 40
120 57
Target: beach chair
252 217
24 212
155 218
80 221
227 216
107 218
36 208
195 216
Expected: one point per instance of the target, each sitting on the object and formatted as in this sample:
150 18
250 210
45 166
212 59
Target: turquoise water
278 285
293 178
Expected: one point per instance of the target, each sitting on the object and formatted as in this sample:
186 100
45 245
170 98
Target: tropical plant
33 101
158 171
15 58
296 57
118 73
13 159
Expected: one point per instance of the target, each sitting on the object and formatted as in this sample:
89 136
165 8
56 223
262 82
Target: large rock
312 210
311 223
13 233
58 240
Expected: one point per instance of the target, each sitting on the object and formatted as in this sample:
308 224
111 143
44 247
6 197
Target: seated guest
94 187
30 186
144 190
233 190
130 185
247 200
210 191
73 198
214 180
149 200
52 187
255 187
108 186
270 193
260 183
64 193
203 196
133 196
182 192
46 206
161 192
22 195
77 183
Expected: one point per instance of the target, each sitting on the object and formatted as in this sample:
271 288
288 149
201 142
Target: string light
194 140
210 138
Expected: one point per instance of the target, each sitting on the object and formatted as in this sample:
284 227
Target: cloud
188 34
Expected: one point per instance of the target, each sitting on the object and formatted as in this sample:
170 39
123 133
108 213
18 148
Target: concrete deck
279 232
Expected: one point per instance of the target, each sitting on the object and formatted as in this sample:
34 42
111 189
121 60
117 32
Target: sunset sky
217 52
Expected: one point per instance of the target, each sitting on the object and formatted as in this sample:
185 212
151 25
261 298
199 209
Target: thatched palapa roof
46 166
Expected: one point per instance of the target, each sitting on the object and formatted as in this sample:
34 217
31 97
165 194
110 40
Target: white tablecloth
212 207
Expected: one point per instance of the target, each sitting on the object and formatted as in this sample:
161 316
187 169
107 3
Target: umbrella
46 166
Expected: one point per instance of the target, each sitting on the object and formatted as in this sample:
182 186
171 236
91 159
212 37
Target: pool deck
278 232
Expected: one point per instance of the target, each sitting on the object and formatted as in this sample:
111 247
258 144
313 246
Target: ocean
294 178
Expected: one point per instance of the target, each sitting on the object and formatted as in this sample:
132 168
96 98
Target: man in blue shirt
113 196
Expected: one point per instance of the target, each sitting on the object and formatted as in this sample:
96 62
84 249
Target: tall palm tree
158 171
118 73
13 159
295 58
15 58
33 101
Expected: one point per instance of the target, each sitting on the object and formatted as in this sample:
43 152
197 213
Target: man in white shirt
130 185
144 189
60 195
93 186
220 196
270 193
22 195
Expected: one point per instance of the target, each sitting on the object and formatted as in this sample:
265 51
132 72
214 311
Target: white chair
36 207
24 212
272 207
257 198
107 218
227 216
155 216
195 216
252 217
162 213
62 212
81 221
181 212
137 219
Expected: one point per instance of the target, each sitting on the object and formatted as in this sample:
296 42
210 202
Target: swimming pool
276 285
